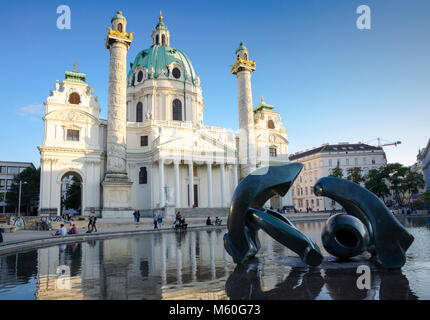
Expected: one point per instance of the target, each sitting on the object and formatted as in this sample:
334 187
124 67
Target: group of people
218 221
158 221
63 230
180 222
136 215
74 230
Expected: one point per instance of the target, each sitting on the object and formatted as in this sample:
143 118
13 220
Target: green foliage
375 182
73 195
426 196
336 172
354 174
394 177
30 187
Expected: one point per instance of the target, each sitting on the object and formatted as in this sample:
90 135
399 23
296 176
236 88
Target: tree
30 187
375 181
412 182
73 195
394 173
355 175
336 172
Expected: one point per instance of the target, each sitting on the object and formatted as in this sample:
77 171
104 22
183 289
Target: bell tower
116 185
243 68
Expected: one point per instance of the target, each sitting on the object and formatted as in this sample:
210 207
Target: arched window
157 39
143 176
139 76
120 27
245 56
74 98
163 40
270 124
139 112
177 110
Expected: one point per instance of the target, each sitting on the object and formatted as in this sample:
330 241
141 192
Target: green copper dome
241 47
118 16
157 58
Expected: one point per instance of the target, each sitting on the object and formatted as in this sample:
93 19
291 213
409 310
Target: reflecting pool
194 265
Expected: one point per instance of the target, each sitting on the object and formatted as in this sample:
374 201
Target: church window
74 98
120 27
139 112
177 110
157 39
245 56
143 176
72 135
163 40
272 152
176 73
270 124
144 141
140 76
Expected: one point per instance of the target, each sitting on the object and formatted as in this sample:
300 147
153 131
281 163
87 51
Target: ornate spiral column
116 185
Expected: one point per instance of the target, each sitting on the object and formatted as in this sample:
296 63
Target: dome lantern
119 22
161 35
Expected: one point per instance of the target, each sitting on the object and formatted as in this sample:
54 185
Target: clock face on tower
176 73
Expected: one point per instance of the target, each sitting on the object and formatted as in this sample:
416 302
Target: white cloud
32 110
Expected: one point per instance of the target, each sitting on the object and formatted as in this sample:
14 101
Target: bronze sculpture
247 216
368 225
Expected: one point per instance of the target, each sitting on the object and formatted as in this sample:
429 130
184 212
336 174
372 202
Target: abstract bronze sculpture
369 224
246 216
388 236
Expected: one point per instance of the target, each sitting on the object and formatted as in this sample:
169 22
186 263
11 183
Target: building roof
158 57
118 16
263 106
241 47
343 147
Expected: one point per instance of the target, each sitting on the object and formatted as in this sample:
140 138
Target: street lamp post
19 198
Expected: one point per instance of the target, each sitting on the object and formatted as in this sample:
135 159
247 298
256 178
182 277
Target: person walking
94 223
155 218
138 216
160 221
135 215
90 223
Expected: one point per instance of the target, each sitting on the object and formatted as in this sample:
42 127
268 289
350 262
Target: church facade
154 150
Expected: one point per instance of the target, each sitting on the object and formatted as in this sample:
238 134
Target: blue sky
330 81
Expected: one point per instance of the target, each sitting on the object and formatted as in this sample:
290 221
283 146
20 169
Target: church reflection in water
194 265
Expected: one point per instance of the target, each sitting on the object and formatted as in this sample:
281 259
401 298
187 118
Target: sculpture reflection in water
368 226
300 284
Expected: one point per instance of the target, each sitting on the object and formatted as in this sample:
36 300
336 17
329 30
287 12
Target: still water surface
194 265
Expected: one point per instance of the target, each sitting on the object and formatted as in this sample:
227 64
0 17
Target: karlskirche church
154 151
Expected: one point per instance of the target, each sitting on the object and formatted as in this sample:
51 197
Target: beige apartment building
319 162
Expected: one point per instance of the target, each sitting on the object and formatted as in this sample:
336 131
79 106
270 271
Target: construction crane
387 143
